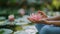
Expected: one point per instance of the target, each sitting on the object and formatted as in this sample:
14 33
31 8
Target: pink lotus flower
11 17
36 16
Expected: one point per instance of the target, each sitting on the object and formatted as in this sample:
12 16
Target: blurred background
20 10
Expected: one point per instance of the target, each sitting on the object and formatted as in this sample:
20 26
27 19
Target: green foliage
1 32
